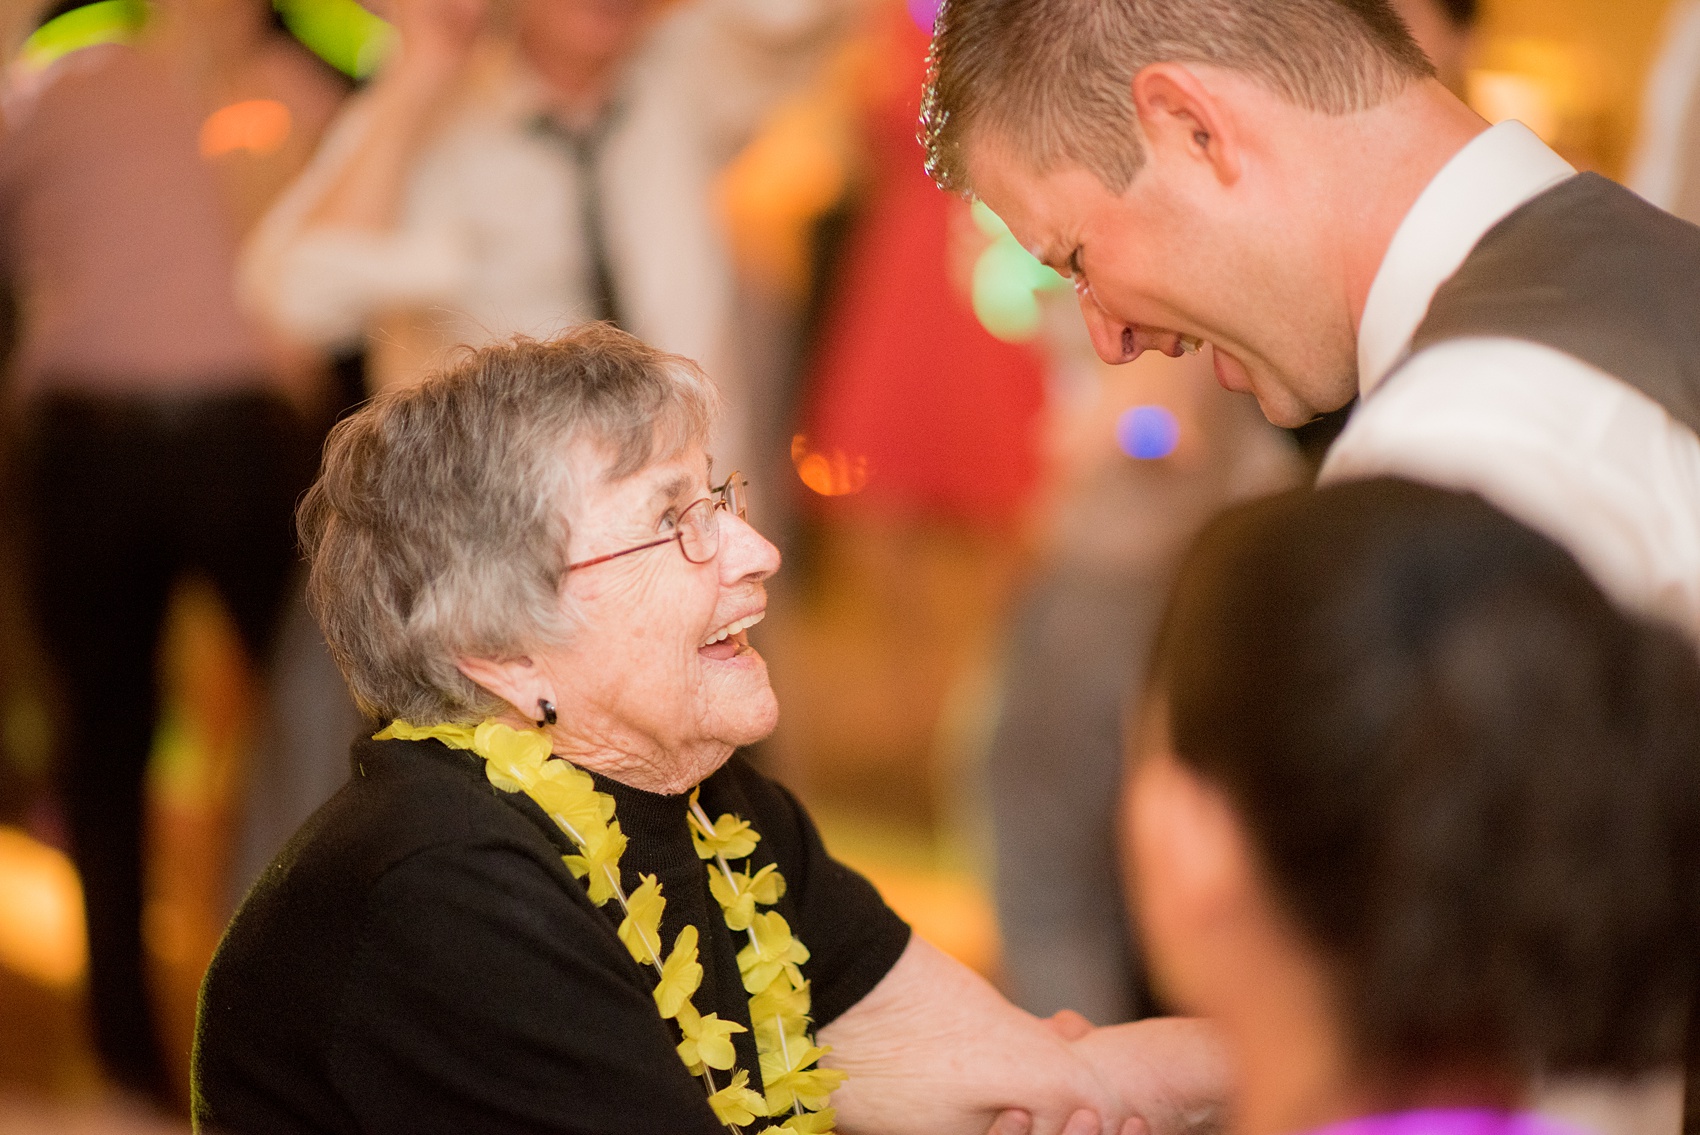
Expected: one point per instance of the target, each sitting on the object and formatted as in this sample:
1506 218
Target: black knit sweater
420 960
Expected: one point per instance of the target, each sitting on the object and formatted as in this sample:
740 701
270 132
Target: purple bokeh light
1147 433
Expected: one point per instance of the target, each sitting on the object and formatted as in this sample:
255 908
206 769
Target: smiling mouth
730 640
1174 344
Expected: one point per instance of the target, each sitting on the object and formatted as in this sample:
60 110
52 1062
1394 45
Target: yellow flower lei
796 1087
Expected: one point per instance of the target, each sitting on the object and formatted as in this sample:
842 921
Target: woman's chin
744 716
755 720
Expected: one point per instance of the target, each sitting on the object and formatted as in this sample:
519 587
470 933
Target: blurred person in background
1140 458
524 167
1417 816
922 416
156 435
1665 168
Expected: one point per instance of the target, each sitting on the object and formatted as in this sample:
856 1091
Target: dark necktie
585 149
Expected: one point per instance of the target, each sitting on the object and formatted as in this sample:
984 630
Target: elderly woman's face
648 673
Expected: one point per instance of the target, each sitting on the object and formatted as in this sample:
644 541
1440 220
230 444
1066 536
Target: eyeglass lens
699 525
699 531
734 495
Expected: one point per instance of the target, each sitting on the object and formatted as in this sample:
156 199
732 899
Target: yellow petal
812 1087
681 974
715 1047
774 951
812 1122
513 754
738 909
599 866
736 1104
730 837
454 736
640 930
780 1033
570 798
767 885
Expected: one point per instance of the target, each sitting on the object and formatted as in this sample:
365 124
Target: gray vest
1590 269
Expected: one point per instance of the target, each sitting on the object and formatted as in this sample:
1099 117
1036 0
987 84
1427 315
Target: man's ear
1182 117
517 680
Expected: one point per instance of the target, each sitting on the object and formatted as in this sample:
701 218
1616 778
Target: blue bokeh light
1147 433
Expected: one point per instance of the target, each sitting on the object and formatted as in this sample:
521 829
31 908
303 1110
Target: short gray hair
437 527
1053 79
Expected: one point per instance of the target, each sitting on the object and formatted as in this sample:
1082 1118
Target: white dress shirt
1563 446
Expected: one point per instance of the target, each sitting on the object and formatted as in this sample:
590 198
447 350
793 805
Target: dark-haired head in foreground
1419 811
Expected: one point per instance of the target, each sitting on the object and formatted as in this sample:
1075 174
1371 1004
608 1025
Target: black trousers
122 498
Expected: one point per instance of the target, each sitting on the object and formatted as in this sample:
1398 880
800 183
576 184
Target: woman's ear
517 680
1191 873
1183 117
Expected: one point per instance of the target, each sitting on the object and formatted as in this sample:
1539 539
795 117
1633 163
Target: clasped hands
1164 1076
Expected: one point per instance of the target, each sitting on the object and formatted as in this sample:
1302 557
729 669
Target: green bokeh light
108 21
1007 282
340 32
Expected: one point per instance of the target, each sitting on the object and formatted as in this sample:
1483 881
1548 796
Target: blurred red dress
945 416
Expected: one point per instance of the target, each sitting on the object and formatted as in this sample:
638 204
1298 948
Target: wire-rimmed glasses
698 528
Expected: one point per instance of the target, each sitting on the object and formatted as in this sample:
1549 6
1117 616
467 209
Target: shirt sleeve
1574 453
484 998
323 284
854 938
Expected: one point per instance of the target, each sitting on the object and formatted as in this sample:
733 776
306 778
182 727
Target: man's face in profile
1174 260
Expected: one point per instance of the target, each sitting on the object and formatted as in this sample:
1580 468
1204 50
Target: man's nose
1114 340
746 556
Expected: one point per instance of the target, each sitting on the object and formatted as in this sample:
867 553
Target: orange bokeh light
41 912
257 126
835 474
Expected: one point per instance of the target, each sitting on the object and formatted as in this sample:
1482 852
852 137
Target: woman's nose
746 556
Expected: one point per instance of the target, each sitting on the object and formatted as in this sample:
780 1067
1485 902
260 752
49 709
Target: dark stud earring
547 709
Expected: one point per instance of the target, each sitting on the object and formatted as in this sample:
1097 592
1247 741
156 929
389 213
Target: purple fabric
1452 1122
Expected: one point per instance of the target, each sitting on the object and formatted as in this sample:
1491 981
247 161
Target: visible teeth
1190 345
732 629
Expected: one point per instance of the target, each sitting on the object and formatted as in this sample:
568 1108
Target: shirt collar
1500 169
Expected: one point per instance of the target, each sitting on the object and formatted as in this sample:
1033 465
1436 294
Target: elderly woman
549 899
1419 819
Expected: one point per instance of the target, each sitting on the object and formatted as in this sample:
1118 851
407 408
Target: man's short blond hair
1052 79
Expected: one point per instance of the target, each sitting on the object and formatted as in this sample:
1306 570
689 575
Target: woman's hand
1169 1075
935 1050
1171 1071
